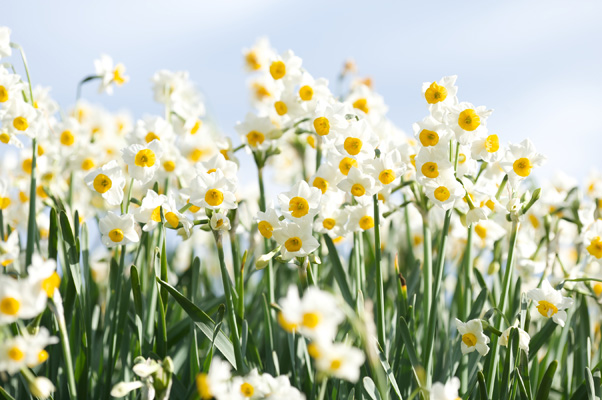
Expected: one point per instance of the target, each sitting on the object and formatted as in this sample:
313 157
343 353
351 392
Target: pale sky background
538 64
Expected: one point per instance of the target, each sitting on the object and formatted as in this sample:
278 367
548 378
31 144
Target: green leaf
540 338
340 275
482 386
543 392
53 236
589 385
409 344
389 373
137 301
370 389
203 322
523 391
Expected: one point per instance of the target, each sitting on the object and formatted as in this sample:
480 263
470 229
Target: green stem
229 302
438 274
491 372
66 352
266 243
427 278
31 222
18 47
322 393
357 261
380 293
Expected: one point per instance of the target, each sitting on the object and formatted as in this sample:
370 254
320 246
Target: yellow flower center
196 154
151 136
481 231
255 138
3 94
442 193
329 223
247 389
522 167
118 76
219 223
386 176
202 385
430 170
172 219
321 184
51 283
4 203
492 144
67 138
361 104
322 126
595 247
252 61
435 93
311 140
156 214
534 221
306 93
346 164
87 164
313 350
261 92
195 128
298 207
214 197
598 289
42 356
265 228
335 364
277 70
193 209
169 166
358 190
469 339
311 320
428 138
40 150
546 308
366 222
9 306
293 244
352 145
116 235
286 325
20 124
4 138
490 204
102 183
145 158
15 354
469 120
26 165
280 107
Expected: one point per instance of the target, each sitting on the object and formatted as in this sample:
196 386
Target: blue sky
536 63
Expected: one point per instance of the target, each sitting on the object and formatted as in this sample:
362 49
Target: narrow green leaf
589 385
203 321
53 236
137 294
370 388
523 391
390 375
543 392
340 275
482 386
540 338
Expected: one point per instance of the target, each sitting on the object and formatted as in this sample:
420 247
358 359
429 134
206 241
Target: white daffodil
36 344
444 190
149 212
312 90
331 219
42 276
296 240
329 118
519 161
488 232
468 122
301 202
41 388
361 217
338 360
268 222
109 74
220 222
473 337
550 302
21 118
19 299
387 168
109 181
357 141
258 57
25 351
251 386
317 315
213 191
440 95
281 389
216 382
326 178
286 68
358 184
256 132
143 160
118 230
9 249
430 162
449 391
592 239
150 128
218 161
366 102
10 87
487 148
287 106
432 133
5 49
523 338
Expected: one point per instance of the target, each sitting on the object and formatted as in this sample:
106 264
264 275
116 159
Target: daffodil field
330 255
